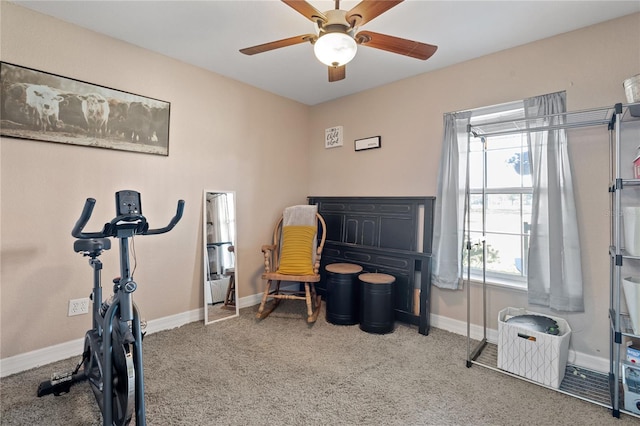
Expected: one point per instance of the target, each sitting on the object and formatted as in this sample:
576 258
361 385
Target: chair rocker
292 258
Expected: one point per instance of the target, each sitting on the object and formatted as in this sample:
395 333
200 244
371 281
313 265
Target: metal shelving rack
620 323
591 386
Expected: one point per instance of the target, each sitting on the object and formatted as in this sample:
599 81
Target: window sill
499 282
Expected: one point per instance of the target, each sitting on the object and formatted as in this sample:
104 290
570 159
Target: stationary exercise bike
112 357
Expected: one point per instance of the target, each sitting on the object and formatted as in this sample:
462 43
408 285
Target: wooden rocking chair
291 259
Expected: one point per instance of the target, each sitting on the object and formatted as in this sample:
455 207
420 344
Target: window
500 196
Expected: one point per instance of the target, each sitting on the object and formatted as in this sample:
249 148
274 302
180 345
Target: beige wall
590 64
224 135
227 136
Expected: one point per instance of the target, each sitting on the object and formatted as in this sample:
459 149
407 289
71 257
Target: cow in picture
160 124
139 122
45 101
15 112
71 113
96 111
118 112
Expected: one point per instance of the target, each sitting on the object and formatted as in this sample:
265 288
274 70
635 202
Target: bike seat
92 245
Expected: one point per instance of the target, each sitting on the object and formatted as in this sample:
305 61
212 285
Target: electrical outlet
79 306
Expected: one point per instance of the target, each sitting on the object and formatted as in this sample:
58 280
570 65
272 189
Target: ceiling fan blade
337 73
367 10
305 9
398 45
278 44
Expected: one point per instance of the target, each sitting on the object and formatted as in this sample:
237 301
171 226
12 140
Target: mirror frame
205 265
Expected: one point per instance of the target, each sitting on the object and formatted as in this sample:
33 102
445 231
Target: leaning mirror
219 237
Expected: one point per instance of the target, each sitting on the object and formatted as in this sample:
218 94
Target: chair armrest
316 265
268 247
268 250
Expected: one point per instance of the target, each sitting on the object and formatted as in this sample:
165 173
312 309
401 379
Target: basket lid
536 323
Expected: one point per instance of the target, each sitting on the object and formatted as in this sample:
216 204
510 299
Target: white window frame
500 113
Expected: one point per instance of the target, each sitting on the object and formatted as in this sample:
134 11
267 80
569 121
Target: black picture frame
367 143
41 106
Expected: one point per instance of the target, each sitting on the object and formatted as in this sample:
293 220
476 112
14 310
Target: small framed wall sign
367 143
333 137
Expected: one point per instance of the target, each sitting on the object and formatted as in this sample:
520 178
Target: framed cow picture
40 106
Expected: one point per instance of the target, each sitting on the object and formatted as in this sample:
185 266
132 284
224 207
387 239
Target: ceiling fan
336 37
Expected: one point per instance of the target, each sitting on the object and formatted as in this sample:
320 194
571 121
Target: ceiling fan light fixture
335 49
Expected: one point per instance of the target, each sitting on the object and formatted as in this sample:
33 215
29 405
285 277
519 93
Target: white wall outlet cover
79 306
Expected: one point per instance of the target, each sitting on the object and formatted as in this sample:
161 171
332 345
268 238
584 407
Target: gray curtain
555 272
218 218
449 206
220 228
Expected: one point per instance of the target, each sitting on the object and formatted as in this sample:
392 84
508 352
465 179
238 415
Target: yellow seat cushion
297 248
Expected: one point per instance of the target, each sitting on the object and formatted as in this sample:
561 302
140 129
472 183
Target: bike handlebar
172 222
131 221
89 204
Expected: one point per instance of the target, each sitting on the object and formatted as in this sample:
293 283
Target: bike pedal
62 390
48 387
57 378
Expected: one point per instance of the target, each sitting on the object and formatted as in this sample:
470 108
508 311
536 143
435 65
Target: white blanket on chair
299 215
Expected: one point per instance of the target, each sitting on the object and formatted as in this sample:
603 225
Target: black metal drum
342 293
376 303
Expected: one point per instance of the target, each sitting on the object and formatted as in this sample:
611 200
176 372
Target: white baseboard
33 359
460 327
44 356
477 333
173 321
245 302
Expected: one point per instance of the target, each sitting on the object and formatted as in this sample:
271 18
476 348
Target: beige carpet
219 311
281 371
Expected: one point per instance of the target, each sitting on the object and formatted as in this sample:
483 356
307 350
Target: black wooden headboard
391 235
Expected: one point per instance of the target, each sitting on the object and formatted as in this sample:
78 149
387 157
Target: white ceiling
209 34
